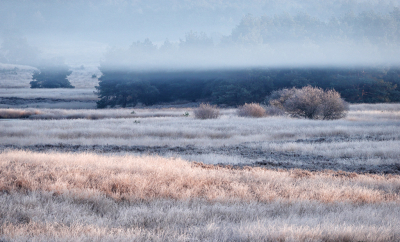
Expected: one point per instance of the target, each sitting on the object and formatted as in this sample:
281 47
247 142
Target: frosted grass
179 130
41 216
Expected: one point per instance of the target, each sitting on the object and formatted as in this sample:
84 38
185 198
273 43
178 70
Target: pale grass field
44 217
363 137
89 196
176 129
86 197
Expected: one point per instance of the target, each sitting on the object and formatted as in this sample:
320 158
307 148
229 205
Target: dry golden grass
92 197
17 113
91 114
254 110
147 178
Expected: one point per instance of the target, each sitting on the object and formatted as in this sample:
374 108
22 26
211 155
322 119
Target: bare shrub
15 113
206 111
332 106
310 102
254 110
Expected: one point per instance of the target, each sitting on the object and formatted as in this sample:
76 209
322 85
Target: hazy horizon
204 34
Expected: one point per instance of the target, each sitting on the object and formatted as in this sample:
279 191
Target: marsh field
157 174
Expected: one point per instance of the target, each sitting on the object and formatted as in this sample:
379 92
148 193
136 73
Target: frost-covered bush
310 102
206 111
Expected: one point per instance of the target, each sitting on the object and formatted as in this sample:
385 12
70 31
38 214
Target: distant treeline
236 87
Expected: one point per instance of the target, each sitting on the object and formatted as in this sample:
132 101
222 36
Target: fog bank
200 34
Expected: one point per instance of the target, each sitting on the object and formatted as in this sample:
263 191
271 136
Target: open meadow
157 174
211 120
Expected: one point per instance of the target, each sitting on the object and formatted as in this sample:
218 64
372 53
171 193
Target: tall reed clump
206 111
254 110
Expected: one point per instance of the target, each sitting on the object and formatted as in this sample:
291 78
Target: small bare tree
310 102
333 106
254 110
206 111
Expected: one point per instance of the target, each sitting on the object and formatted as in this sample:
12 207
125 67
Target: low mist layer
285 40
202 34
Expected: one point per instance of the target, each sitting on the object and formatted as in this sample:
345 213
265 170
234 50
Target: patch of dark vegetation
330 139
331 165
52 77
16 102
22 101
237 87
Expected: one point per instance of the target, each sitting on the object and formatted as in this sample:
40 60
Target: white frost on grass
45 217
365 137
179 130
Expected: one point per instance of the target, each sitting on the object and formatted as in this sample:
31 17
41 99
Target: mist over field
206 120
200 34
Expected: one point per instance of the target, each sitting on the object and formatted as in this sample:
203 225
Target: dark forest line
236 87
